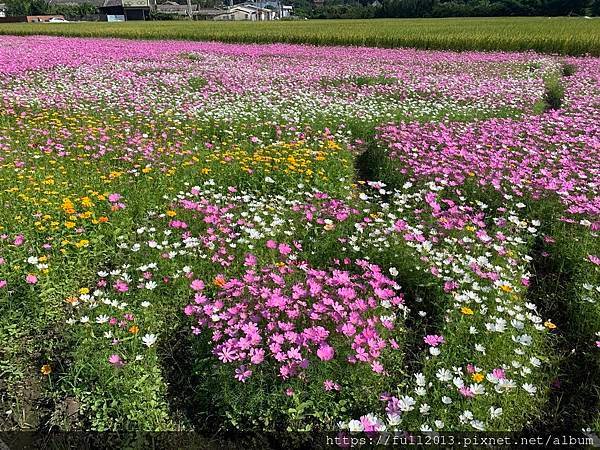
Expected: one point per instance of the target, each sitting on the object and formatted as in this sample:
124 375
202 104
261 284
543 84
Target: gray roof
108 3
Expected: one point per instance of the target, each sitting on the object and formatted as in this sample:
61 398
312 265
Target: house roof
109 3
167 8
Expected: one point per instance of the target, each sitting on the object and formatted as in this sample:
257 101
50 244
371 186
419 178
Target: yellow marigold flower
72 300
69 224
549 325
82 243
466 311
84 291
477 377
46 369
171 213
219 281
147 170
134 329
506 288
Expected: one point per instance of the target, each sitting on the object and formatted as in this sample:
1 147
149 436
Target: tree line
447 8
43 7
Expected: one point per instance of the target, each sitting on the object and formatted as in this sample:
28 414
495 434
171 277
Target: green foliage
554 93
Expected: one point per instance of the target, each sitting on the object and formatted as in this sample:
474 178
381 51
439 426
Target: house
207 13
175 9
128 9
256 12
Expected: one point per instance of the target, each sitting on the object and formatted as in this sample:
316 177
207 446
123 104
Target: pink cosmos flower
121 286
116 360
2 284
284 249
197 285
31 279
466 392
377 367
271 244
329 385
594 259
325 352
433 340
250 260
242 373
113 198
499 374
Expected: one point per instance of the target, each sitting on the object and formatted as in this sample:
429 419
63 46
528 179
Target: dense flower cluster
295 315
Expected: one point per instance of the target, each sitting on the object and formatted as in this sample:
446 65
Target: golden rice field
571 36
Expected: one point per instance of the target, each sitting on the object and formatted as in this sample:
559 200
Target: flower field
218 237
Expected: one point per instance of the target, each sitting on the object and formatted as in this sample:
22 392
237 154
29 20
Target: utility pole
189 9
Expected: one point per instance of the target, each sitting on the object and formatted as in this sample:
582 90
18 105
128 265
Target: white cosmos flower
495 412
535 362
420 391
444 375
102 318
523 339
149 339
406 403
394 419
150 285
439 424
466 416
530 388
505 385
478 425
446 400
477 388
355 426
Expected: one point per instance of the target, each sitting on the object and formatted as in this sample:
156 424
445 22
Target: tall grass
569 36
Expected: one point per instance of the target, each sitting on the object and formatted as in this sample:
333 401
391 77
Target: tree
27 7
